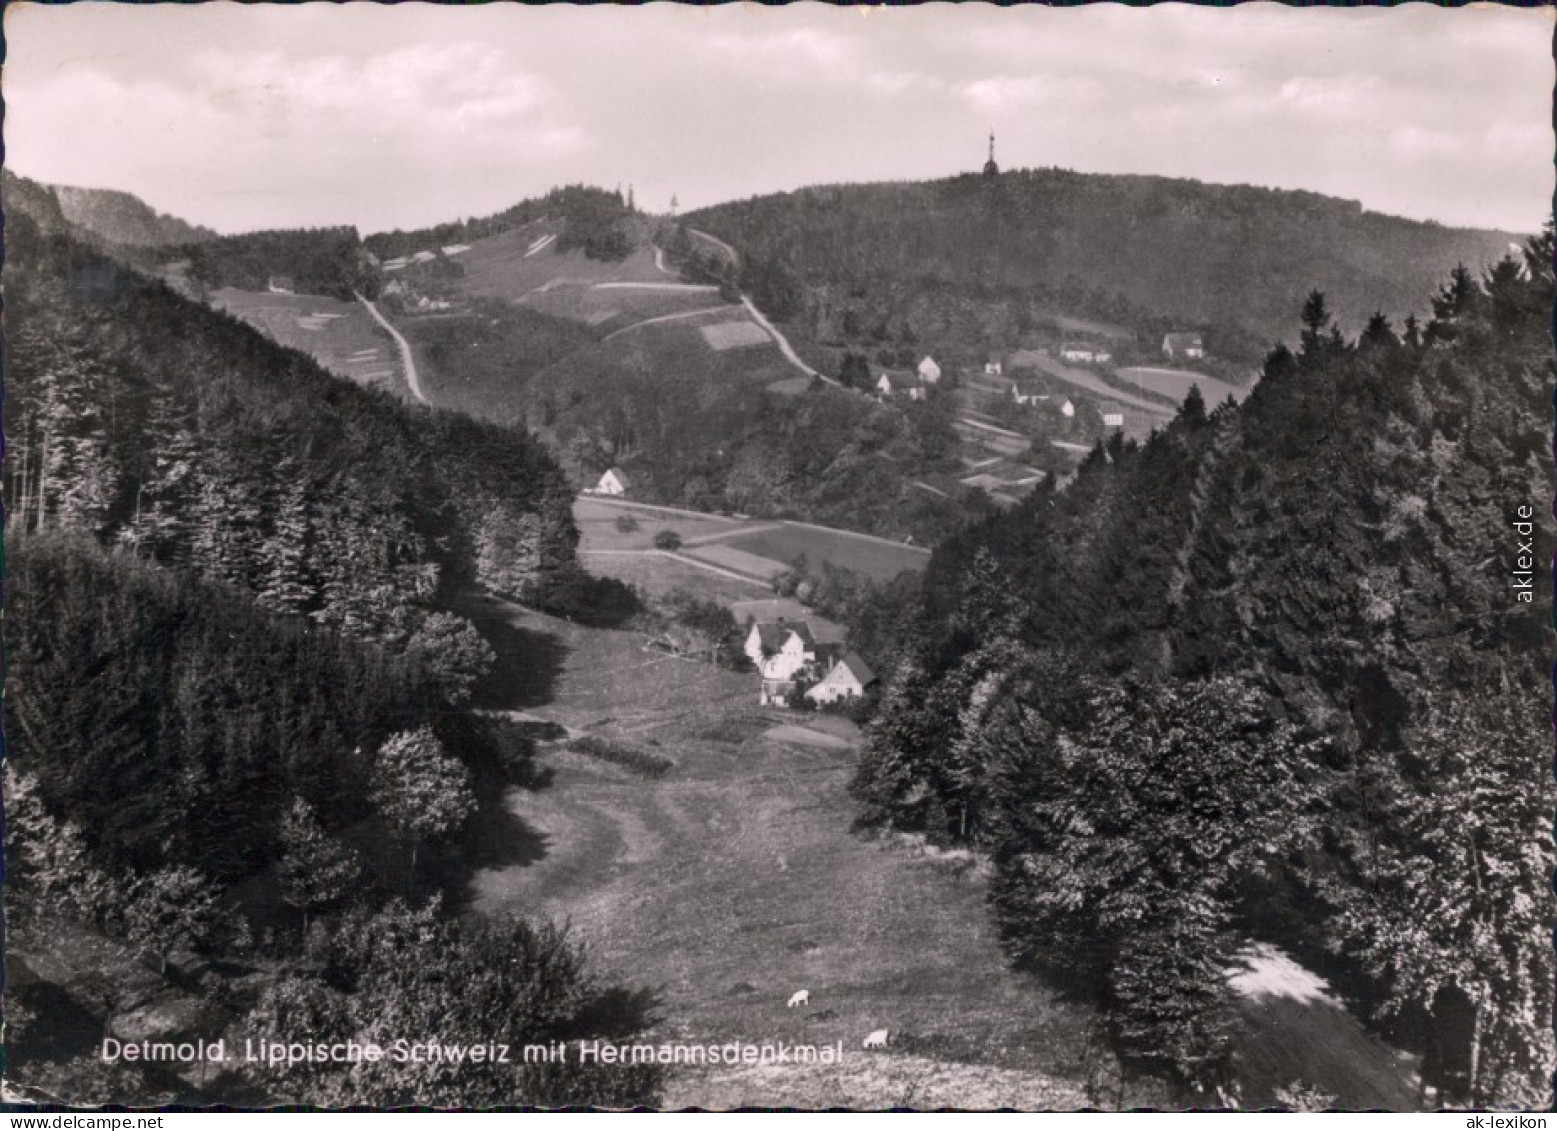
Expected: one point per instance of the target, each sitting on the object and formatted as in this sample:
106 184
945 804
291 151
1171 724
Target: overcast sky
398 116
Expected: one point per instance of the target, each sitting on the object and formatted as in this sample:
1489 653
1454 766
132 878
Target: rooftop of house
772 635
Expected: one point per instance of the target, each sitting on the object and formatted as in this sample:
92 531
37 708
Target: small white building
899 385
1183 345
929 371
1068 408
848 678
1082 353
1028 392
1113 415
613 482
281 285
993 367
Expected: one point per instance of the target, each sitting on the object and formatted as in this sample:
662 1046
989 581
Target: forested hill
235 736
1222 257
151 420
1257 679
125 219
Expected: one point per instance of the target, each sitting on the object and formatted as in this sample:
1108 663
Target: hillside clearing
1176 383
775 542
718 891
752 832
341 336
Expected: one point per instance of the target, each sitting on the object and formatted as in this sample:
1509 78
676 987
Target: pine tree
317 871
171 907
422 792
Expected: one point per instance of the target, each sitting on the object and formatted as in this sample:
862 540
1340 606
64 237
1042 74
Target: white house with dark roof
847 678
1183 345
929 371
781 651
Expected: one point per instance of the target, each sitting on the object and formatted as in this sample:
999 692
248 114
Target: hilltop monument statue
990 168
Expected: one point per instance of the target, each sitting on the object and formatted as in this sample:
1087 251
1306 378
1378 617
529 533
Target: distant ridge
124 218
1233 256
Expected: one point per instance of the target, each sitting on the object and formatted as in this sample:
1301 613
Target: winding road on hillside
757 316
666 318
406 360
783 343
734 255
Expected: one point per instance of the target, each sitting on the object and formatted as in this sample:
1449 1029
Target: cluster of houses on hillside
1175 347
401 262
1189 346
914 385
791 660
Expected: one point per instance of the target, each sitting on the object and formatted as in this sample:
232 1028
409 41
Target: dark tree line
1245 681
318 261
970 260
230 682
597 220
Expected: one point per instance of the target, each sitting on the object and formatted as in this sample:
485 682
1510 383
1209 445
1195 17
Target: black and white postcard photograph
778 556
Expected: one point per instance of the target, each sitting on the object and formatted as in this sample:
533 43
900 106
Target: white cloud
1331 96
1417 142
425 86
1004 94
1518 140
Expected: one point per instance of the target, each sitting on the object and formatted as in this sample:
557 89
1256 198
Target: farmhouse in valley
613 482
1183 345
929 371
1085 352
1068 408
1024 390
1113 415
781 650
847 678
897 384
993 367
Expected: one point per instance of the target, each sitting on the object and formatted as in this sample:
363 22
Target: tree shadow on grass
618 1011
528 663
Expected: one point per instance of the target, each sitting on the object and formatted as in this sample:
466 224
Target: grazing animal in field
799 997
876 1040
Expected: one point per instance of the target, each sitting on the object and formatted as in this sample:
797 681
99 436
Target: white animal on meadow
876 1040
799 997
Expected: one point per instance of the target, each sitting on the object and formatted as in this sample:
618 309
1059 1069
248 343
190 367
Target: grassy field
775 541
726 556
658 575
611 309
1176 383
878 560
341 336
497 267
714 893
596 520
734 881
